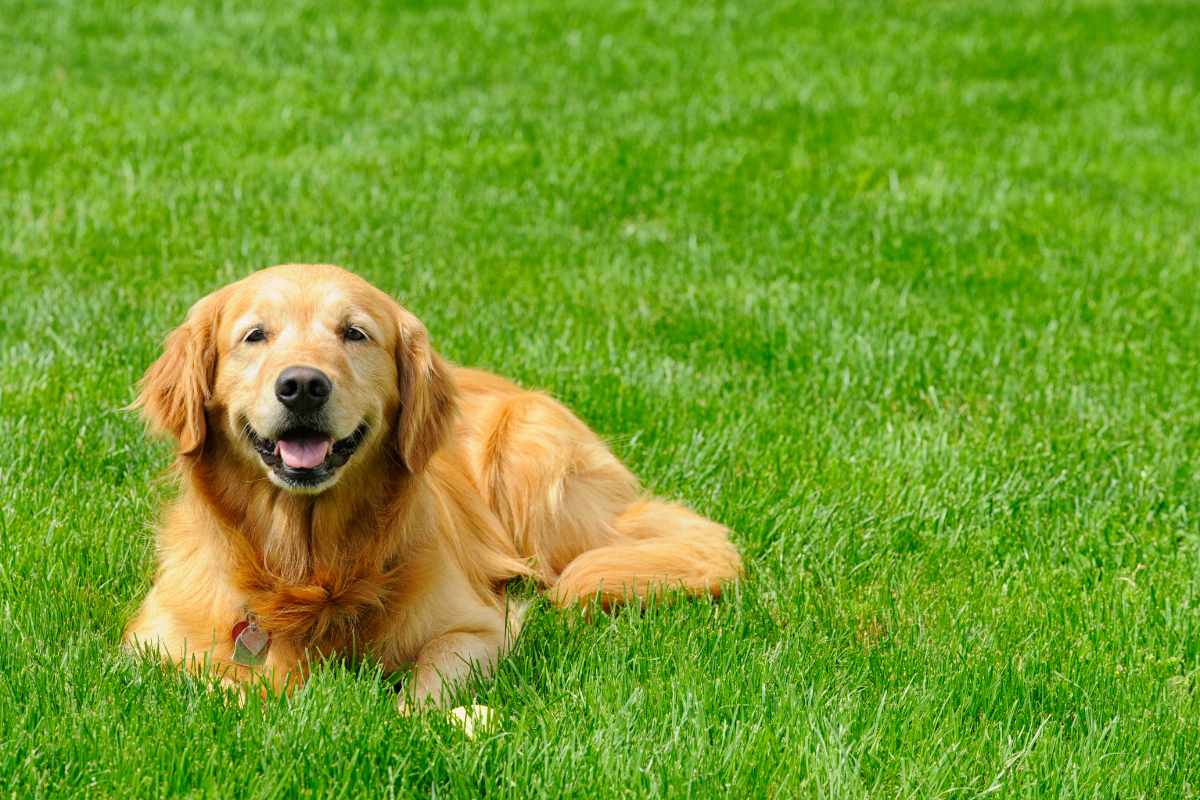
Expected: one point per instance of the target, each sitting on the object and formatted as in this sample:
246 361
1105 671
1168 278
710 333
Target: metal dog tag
250 642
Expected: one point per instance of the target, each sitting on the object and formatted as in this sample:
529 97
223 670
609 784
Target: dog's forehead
303 297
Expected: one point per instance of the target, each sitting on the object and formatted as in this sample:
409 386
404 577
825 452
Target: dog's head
306 371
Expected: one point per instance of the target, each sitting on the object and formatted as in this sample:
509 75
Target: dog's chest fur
325 576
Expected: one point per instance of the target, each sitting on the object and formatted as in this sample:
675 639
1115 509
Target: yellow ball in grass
473 719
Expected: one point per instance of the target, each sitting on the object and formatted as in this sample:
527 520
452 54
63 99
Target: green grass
906 293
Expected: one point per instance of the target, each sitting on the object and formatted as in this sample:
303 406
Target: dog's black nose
303 389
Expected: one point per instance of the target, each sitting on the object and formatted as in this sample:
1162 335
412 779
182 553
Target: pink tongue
304 453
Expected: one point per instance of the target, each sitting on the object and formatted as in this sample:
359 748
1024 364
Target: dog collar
250 642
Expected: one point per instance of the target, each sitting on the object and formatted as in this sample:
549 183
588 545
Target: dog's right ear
175 389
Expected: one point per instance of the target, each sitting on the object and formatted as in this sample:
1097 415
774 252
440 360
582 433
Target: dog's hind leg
552 482
660 547
573 507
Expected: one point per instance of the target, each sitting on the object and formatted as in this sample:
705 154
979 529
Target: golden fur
463 482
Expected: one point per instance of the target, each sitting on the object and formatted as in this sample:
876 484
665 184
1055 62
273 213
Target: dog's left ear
428 396
176 387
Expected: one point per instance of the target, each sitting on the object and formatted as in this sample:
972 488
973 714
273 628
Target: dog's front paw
414 699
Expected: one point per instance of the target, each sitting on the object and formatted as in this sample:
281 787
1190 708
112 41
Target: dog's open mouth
305 456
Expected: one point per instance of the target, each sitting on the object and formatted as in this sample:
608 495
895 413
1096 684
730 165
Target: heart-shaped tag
250 644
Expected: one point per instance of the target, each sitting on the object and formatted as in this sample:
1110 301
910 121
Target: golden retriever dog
346 491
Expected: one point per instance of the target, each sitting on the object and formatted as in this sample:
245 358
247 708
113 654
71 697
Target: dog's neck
296 536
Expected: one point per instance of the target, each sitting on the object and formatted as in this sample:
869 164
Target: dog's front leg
445 662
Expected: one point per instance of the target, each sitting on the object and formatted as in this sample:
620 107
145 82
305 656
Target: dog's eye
354 334
256 335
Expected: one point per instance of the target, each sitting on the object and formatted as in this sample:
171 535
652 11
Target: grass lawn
906 293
